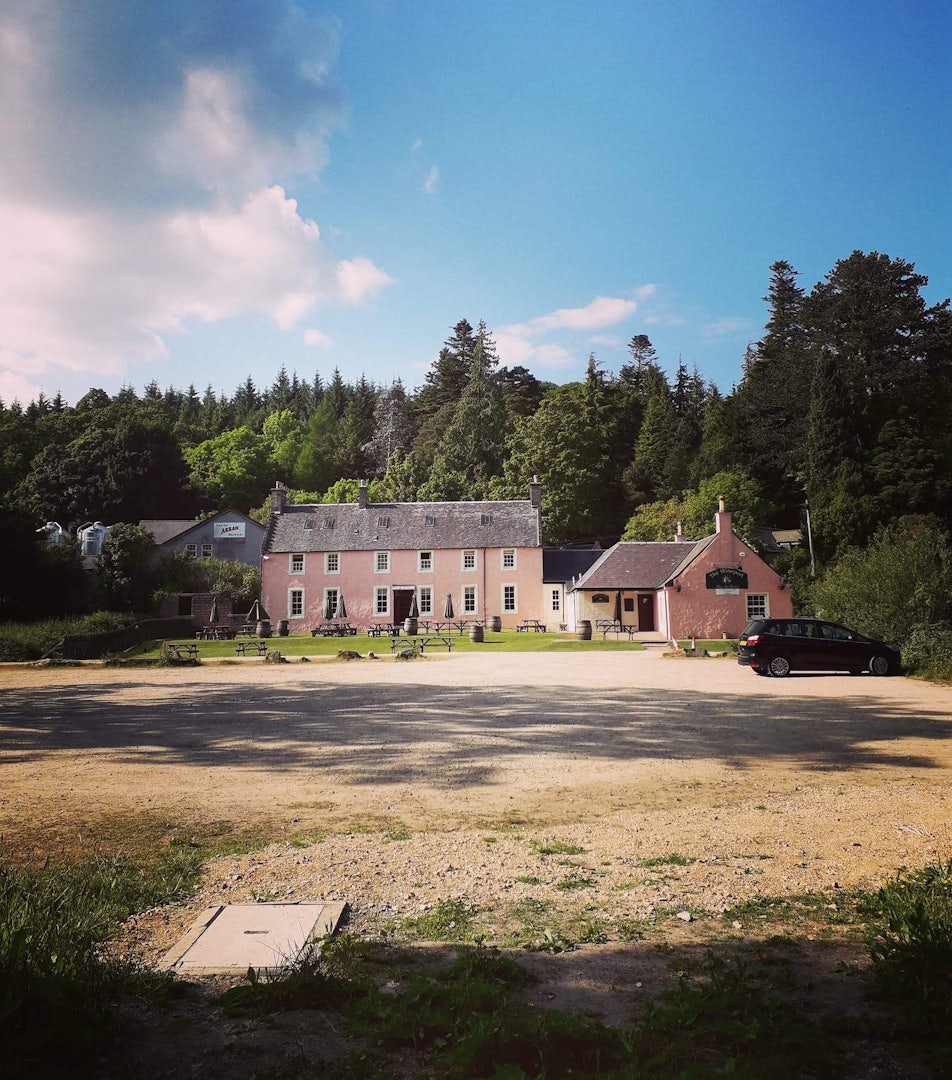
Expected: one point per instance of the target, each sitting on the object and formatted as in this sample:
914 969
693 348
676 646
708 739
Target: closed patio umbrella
329 601
341 612
448 607
617 615
213 614
414 612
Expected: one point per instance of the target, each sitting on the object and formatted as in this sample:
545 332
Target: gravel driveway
450 778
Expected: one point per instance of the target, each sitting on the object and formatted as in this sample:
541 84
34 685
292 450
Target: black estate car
779 646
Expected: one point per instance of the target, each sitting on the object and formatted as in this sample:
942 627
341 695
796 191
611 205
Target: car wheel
761 671
779 666
879 665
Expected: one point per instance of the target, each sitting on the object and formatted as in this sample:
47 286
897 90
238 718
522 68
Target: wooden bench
530 624
405 644
334 630
182 652
258 648
436 641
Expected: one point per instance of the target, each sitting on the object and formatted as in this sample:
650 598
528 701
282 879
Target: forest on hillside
844 402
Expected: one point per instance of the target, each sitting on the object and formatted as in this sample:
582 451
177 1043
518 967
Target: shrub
928 650
15 650
910 943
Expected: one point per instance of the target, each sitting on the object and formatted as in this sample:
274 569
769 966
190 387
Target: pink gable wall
702 611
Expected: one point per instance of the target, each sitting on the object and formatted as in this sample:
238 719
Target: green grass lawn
305 645
505 641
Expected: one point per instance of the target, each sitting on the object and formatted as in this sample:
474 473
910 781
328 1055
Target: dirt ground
451 777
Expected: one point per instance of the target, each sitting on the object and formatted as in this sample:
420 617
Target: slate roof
403 526
566 564
641 565
165 530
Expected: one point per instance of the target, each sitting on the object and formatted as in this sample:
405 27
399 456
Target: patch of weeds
673 859
555 847
759 856
58 984
529 879
326 977
588 932
530 908
626 886
307 838
575 881
760 806
632 929
450 920
840 909
724 1016
909 937
490 839
395 836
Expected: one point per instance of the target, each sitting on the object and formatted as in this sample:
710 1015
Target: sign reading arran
229 530
726 578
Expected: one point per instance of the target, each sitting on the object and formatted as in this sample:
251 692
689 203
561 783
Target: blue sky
199 191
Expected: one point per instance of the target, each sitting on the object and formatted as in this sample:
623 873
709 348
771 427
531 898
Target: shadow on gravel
380 734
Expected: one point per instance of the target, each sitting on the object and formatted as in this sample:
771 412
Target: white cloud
140 182
16 388
432 180
526 343
602 311
317 339
359 279
730 326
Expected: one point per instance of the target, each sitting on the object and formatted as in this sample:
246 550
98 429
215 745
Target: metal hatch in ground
233 937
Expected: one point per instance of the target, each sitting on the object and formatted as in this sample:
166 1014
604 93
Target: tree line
843 404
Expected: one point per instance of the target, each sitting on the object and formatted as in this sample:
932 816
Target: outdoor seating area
530 624
388 628
334 629
421 643
182 652
254 647
610 626
216 633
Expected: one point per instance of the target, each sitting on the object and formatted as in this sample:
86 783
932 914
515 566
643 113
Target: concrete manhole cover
231 938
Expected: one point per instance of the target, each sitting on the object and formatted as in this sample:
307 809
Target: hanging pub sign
726 577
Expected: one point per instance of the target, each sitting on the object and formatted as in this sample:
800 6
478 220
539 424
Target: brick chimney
279 496
535 493
722 519
362 495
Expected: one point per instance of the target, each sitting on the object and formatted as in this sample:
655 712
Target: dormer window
429 520
329 523
485 519
383 522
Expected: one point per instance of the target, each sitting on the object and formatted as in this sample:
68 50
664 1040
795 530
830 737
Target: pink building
378 556
709 588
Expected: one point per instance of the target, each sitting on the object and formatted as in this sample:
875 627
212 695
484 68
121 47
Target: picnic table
258 648
421 643
183 651
530 624
460 625
609 626
388 628
215 633
246 629
329 629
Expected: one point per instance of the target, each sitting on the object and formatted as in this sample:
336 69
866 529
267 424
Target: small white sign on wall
727 592
229 530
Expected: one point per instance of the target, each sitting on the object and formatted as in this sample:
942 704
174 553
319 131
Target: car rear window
753 627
